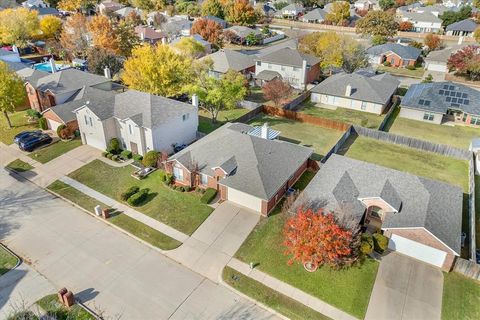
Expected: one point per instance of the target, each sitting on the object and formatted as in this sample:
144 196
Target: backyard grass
319 138
19 166
182 211
456 136
19 124
7 261
122 221
364 119
256 95
417 73
206 125
461 297
271 298
420 163
56 310
54 150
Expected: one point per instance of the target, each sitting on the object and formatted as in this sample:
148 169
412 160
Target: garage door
436 67
244 199
53 125
417 250
94 141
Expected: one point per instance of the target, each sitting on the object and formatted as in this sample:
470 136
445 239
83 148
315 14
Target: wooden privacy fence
467 268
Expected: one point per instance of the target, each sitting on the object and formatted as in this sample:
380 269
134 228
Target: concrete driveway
107 269
406 289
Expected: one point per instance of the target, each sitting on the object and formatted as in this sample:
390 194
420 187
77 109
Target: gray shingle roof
289 57
404 52
243 31
365 87
68 80
464 25
433 205
315 14
4 52
421 17
440 96
225 60
268 75
262 166
444 54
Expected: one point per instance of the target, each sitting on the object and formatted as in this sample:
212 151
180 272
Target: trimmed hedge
150 159
130 192
380 242
104 154
60 128
138 198
366 246
114 146
208 196
137 157
127 154
42 123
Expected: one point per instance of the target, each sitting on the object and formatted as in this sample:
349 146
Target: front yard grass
455 136
285 305
19 166
461 297
7 261
319 138
364 119
56 310
122 221
417 73
19 124
206 125
55 150
182 211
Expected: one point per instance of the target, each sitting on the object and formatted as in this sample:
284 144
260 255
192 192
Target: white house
35 3
292 10
366 5
141 121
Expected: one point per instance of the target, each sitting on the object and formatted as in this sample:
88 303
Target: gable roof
441 96
46 11
365 87
243 31
416 17
444 54
404 52
224 60
256 166
315 14
293 7
68 80
423 203
465 25
218 20
289 57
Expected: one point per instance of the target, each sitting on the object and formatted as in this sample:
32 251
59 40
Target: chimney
264 132
107 73
348 90
195 102
164 40
52 65
304 72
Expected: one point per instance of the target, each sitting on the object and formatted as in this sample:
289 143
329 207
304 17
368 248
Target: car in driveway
34 142
25 135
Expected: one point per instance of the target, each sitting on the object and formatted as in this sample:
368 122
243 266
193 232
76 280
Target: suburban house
464 28
108 6
221 22
141 121
9 56
47 11
395 54
422 22
177 26
226 59
315 16
291 11
127 11
35 3
149 34
291 65
358 91
440 102
437 59
367 5
207 46
421 217
243 163
242 32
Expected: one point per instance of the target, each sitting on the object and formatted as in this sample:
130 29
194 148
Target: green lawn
271 298
461 297
420 163
54 150
417 73
19 166
122 221
319 138
477 209
182 211
56 310
206 125
456 136
364 119
19 124
7 261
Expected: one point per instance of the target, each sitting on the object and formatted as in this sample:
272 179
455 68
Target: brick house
247 165
226 59
421 217
396 54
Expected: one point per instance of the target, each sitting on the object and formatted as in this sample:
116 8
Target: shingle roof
464 25
289 57
226 59
268 75
315 14
68 80
433 205
444 54
4 52
404 52
421 17
46 11
243 31
441 96
261 166
365 87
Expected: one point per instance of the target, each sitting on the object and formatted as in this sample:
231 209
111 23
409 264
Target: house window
203 179
364 105
130 130
428 116
178 173
259 63
91 121
475 121
86 120
464 117
185 116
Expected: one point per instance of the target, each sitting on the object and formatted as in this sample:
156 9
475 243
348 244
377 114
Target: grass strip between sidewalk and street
55 310
7 261
18 165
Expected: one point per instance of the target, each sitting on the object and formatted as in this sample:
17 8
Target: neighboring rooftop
444 54
420 202
290 57
315 14
243 31
224 60
404 52
68 80
467 25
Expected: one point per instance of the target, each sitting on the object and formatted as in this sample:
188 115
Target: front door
134 147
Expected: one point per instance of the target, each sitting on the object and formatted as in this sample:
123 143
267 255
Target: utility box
98 211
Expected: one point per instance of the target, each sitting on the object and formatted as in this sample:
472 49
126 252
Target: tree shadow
150 196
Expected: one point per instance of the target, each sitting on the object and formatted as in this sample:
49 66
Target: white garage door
53 125
94 141
417 250
436 67
244 199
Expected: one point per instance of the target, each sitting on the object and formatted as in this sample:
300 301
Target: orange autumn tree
209 30
103 34
314 238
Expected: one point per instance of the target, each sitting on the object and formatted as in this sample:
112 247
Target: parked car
25 135
34 142
179 147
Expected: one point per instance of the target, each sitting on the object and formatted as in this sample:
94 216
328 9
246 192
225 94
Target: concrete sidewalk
290 291
143 218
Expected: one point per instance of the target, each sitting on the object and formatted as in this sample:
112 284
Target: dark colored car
179 147
25 135
34 142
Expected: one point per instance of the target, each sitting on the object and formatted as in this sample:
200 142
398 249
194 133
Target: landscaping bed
180 210
19 166
461 297
57 311
205 124
7 261
122 221
55 150
19 123
319 138
271 298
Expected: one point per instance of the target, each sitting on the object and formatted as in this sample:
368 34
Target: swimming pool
45 66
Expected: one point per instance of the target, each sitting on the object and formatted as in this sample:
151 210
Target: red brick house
243 163
395 54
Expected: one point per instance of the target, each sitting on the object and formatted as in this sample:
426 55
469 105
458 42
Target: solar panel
464 95
454 100
445 87
448 99
459 94
427 103
460 101
421 102
440 92
466 102
447 93
452 94
451 88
